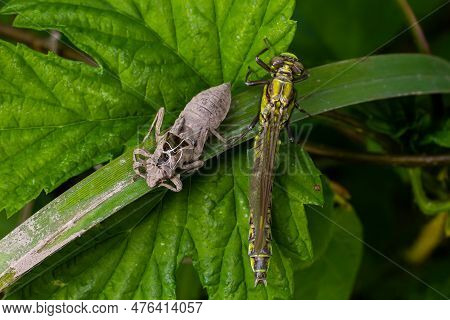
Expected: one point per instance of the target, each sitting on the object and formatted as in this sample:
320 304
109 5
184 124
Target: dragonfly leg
302 110
245 131
297 106
178 126
157 123
253 83
192 166
143 153
200 144
176 182
139 164
217 135
289 131
261 63
287 124
140 152
140 171
302 78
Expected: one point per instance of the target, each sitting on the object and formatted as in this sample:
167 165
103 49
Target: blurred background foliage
335 30
399 237
406 251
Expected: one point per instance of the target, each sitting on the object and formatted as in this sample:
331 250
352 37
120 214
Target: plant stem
426 205
417 31
54 41
381 159
42 44
27 211
424 47
447 226
429 238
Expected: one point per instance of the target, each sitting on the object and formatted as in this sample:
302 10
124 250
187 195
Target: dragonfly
277 103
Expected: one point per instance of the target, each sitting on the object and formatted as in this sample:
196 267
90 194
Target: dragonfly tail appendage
260 259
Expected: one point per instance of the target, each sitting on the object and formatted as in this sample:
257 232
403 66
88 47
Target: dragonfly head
287 63
155 176
158 170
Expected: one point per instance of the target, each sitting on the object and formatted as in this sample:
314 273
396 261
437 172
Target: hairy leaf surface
68 117
57 119
166 50
207 221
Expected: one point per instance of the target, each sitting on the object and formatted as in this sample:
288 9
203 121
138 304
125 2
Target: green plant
111 237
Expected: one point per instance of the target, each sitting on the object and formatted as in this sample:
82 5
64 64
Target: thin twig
381 159
53 41
26 211
417 31
423 46
352 133
42 44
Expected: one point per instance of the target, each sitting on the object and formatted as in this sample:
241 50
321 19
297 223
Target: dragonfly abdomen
260 258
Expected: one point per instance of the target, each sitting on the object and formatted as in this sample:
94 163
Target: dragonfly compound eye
277 62
297 68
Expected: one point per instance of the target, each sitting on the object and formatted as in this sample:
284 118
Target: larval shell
208 108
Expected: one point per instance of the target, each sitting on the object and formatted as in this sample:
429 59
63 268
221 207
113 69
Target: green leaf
165 50
426 205
108 190
57 119
207 221
297 183
380 77
155 53
333 274
441 136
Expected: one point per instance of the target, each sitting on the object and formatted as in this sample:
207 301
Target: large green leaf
68 117
207 221
111 188
332 275
57 119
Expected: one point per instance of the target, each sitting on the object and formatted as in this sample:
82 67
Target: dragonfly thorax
284 73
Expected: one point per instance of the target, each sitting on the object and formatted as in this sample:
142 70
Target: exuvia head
287 63
159 170
155 176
